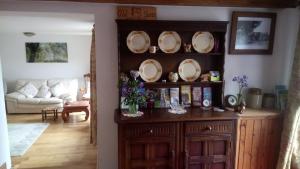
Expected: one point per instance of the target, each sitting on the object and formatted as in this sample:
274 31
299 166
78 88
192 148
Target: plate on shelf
150 70
189 70
138 41
169 41
203 42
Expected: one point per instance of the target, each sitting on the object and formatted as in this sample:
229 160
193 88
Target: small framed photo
252 33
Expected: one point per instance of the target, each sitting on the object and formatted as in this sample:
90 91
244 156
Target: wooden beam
233 3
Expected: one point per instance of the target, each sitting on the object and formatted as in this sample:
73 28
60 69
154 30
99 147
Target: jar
268 101
254 98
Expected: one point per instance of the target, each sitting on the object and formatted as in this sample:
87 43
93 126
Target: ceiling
48 23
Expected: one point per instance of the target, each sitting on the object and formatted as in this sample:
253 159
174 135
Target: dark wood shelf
178 84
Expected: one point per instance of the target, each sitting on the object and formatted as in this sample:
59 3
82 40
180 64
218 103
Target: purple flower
141 85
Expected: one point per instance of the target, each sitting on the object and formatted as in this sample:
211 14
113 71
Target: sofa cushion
57 89
29 90
36 82
52 100
29 100
71 86
43 92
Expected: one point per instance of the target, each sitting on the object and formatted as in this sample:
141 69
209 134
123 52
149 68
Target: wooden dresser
199 140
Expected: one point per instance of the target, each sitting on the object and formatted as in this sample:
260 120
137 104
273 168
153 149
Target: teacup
153 49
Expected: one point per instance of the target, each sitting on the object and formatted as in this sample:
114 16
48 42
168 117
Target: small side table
49 110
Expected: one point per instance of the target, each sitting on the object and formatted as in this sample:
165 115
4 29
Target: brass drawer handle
151 131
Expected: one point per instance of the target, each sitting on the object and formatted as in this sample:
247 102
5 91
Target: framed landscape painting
252 33
46 52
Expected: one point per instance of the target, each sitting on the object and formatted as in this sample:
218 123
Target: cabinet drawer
209 127
150 130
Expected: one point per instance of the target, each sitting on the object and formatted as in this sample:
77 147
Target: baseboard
3 166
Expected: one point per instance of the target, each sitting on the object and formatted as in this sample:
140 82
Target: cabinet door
208 152
150 153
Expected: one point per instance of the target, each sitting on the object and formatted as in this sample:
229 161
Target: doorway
57 144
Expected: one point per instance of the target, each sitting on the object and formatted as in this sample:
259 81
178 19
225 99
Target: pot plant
242 84
133 92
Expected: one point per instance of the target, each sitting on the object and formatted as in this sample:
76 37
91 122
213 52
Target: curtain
289 157
93 99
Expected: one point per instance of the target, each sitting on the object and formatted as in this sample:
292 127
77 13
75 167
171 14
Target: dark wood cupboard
154 143
209 144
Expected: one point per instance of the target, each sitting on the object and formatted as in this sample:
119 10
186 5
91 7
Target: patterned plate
150 70
189 70
169 41
203 42
138 41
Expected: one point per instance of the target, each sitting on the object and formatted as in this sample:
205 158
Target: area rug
23 135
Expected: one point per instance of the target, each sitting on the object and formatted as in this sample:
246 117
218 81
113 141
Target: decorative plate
189 70
138 41
150 70
203 42
169 41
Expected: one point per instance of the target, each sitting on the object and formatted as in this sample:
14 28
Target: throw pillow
29 90
57 89
43 92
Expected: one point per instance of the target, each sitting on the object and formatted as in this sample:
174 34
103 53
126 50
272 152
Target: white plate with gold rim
138 41
169 41
150 70
203 42
189 70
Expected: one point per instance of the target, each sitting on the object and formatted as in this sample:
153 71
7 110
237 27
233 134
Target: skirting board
3 166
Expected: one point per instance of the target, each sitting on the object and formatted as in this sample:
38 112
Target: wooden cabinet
185 143
258 142
148 146
209 145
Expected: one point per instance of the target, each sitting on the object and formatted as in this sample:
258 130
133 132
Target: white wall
260 69
13 54
4 145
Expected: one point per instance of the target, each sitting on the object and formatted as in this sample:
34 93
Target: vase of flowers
133 91
242 83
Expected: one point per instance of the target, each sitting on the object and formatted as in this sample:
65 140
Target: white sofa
16 102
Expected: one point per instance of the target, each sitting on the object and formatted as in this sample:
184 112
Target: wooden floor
61 146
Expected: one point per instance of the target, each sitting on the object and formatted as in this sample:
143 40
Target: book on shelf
186 95
164 98
174 95
197 96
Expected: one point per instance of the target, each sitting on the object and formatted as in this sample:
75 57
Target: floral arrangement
242 82
133 91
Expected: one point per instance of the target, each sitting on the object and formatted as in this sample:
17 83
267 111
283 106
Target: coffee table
74 107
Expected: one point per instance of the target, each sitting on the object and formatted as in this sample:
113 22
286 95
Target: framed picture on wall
252 33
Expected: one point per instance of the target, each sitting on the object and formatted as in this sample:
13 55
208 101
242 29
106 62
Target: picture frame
252 33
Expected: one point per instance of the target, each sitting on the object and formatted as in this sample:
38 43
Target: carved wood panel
209 127
149 153
208 151
155 130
